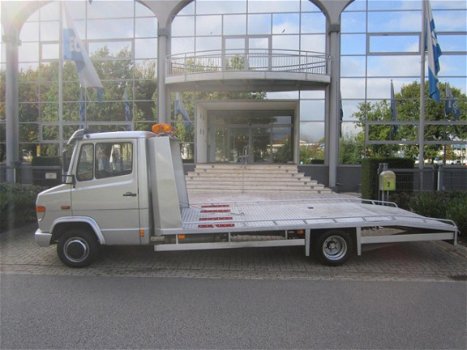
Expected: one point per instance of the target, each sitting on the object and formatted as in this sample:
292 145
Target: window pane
110 9
208 25
145 48
85 170
450 20
394 66
312 132
113 159
145 27
353 22
353 44
235 25
353 66
217 7
452 65
28 52
183 45
50 11
394 5
50 31
259 24
352 88
394 43
110 28
451 43
183 26
207 44
29 32
350 107
402 21
50 51
285 42
274 6
285 23
312 110
315 43
313 23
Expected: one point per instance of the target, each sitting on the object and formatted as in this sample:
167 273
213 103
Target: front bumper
42 238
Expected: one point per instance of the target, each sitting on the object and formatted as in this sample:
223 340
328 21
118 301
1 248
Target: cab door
106 189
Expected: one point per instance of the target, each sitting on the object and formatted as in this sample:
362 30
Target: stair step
251 178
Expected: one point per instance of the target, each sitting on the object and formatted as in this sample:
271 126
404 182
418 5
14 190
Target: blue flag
127 106
394 128
451 107
433 51
180 109
74 50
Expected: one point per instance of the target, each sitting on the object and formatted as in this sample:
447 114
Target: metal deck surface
310 213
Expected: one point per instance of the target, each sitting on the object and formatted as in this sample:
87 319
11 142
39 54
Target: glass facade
121 39
251 136
380 43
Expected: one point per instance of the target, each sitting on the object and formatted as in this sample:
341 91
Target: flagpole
421 121
60 84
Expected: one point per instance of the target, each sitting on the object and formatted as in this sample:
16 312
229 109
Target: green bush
17 205
443 205
369 178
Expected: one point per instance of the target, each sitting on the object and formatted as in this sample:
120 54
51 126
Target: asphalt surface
70 312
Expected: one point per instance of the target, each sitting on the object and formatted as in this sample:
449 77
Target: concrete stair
241 178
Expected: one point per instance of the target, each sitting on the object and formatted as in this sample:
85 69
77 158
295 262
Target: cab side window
113 159
85 169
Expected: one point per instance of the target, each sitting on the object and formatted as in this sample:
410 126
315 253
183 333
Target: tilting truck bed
294 223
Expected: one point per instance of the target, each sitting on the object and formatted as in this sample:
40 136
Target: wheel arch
62 225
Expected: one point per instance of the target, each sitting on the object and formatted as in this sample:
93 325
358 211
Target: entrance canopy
247 132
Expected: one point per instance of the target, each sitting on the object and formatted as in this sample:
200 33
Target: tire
77 248
333 248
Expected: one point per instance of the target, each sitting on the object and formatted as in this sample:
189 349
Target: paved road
70 312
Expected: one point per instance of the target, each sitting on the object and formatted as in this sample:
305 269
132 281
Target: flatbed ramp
297 222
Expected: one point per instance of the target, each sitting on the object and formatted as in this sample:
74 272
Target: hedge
444 205
17 205
369 176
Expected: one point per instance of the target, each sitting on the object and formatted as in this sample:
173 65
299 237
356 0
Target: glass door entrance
239 141
252 144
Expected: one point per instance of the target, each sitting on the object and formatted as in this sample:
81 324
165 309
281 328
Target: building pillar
12 42
162 95
332 137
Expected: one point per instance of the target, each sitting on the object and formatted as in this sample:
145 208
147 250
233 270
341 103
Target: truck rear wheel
333 247
77 248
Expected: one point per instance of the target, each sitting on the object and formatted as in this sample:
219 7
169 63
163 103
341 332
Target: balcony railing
254 60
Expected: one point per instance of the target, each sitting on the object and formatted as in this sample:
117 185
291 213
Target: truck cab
105 198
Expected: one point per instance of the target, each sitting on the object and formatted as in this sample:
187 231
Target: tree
408 107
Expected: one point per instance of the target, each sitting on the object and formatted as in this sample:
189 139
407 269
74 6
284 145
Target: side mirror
69 179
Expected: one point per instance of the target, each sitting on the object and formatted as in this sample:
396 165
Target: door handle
129 194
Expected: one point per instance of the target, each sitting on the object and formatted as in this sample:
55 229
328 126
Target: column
334 109
12 42
162 96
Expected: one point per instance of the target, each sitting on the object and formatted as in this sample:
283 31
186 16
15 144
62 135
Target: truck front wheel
333 247
77 248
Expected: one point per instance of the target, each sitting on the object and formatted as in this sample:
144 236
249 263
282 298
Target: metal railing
26 174
253 60
442 178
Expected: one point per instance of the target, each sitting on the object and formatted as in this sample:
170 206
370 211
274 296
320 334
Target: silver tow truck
128 188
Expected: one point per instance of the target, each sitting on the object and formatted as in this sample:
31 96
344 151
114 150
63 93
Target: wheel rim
76 249
334 248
